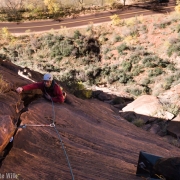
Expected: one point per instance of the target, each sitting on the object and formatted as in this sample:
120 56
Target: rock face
10 106
149 106
99 143
6 131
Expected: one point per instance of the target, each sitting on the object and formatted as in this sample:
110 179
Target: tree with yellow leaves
110 2
177 8
52 5
115 19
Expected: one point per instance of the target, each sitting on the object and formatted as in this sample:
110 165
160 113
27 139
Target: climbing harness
60 139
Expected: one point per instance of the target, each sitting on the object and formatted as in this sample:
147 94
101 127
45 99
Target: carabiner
52 125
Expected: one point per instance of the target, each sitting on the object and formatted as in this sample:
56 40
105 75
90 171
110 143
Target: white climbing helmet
48 77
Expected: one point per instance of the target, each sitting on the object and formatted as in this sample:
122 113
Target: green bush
112 78
149 61
67 51
155 72
123 77
77 34
146 81
106 70
138 122
137 70
127 65
172 108
178 28
122 47
134 91
134 58
116 38
177 76
174 48
162 63
163 25
59 58
171 67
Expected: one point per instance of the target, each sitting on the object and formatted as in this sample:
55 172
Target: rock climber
50 89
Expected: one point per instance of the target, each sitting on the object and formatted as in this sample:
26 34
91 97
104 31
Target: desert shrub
113 77
59 58
138 122
5 33
134 32
177 76
162 63
163 24
149 61
146 81
122 47
137 70
77 34
4 86
56 51
79 90
171 67
116 5
132 21
172 108
144 28
116 38
78 42
3 56
174 48
135 58
178 28
127 65
67 51
115 19
124 77
134 91
106 49
166 86
106 70
155 72
168 82
102 39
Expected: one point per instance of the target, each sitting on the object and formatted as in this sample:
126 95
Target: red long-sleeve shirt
55 92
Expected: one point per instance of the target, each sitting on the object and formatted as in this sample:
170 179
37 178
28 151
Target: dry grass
4 86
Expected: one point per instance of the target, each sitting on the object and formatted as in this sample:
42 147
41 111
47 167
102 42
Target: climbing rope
59 136
60 139
37 125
